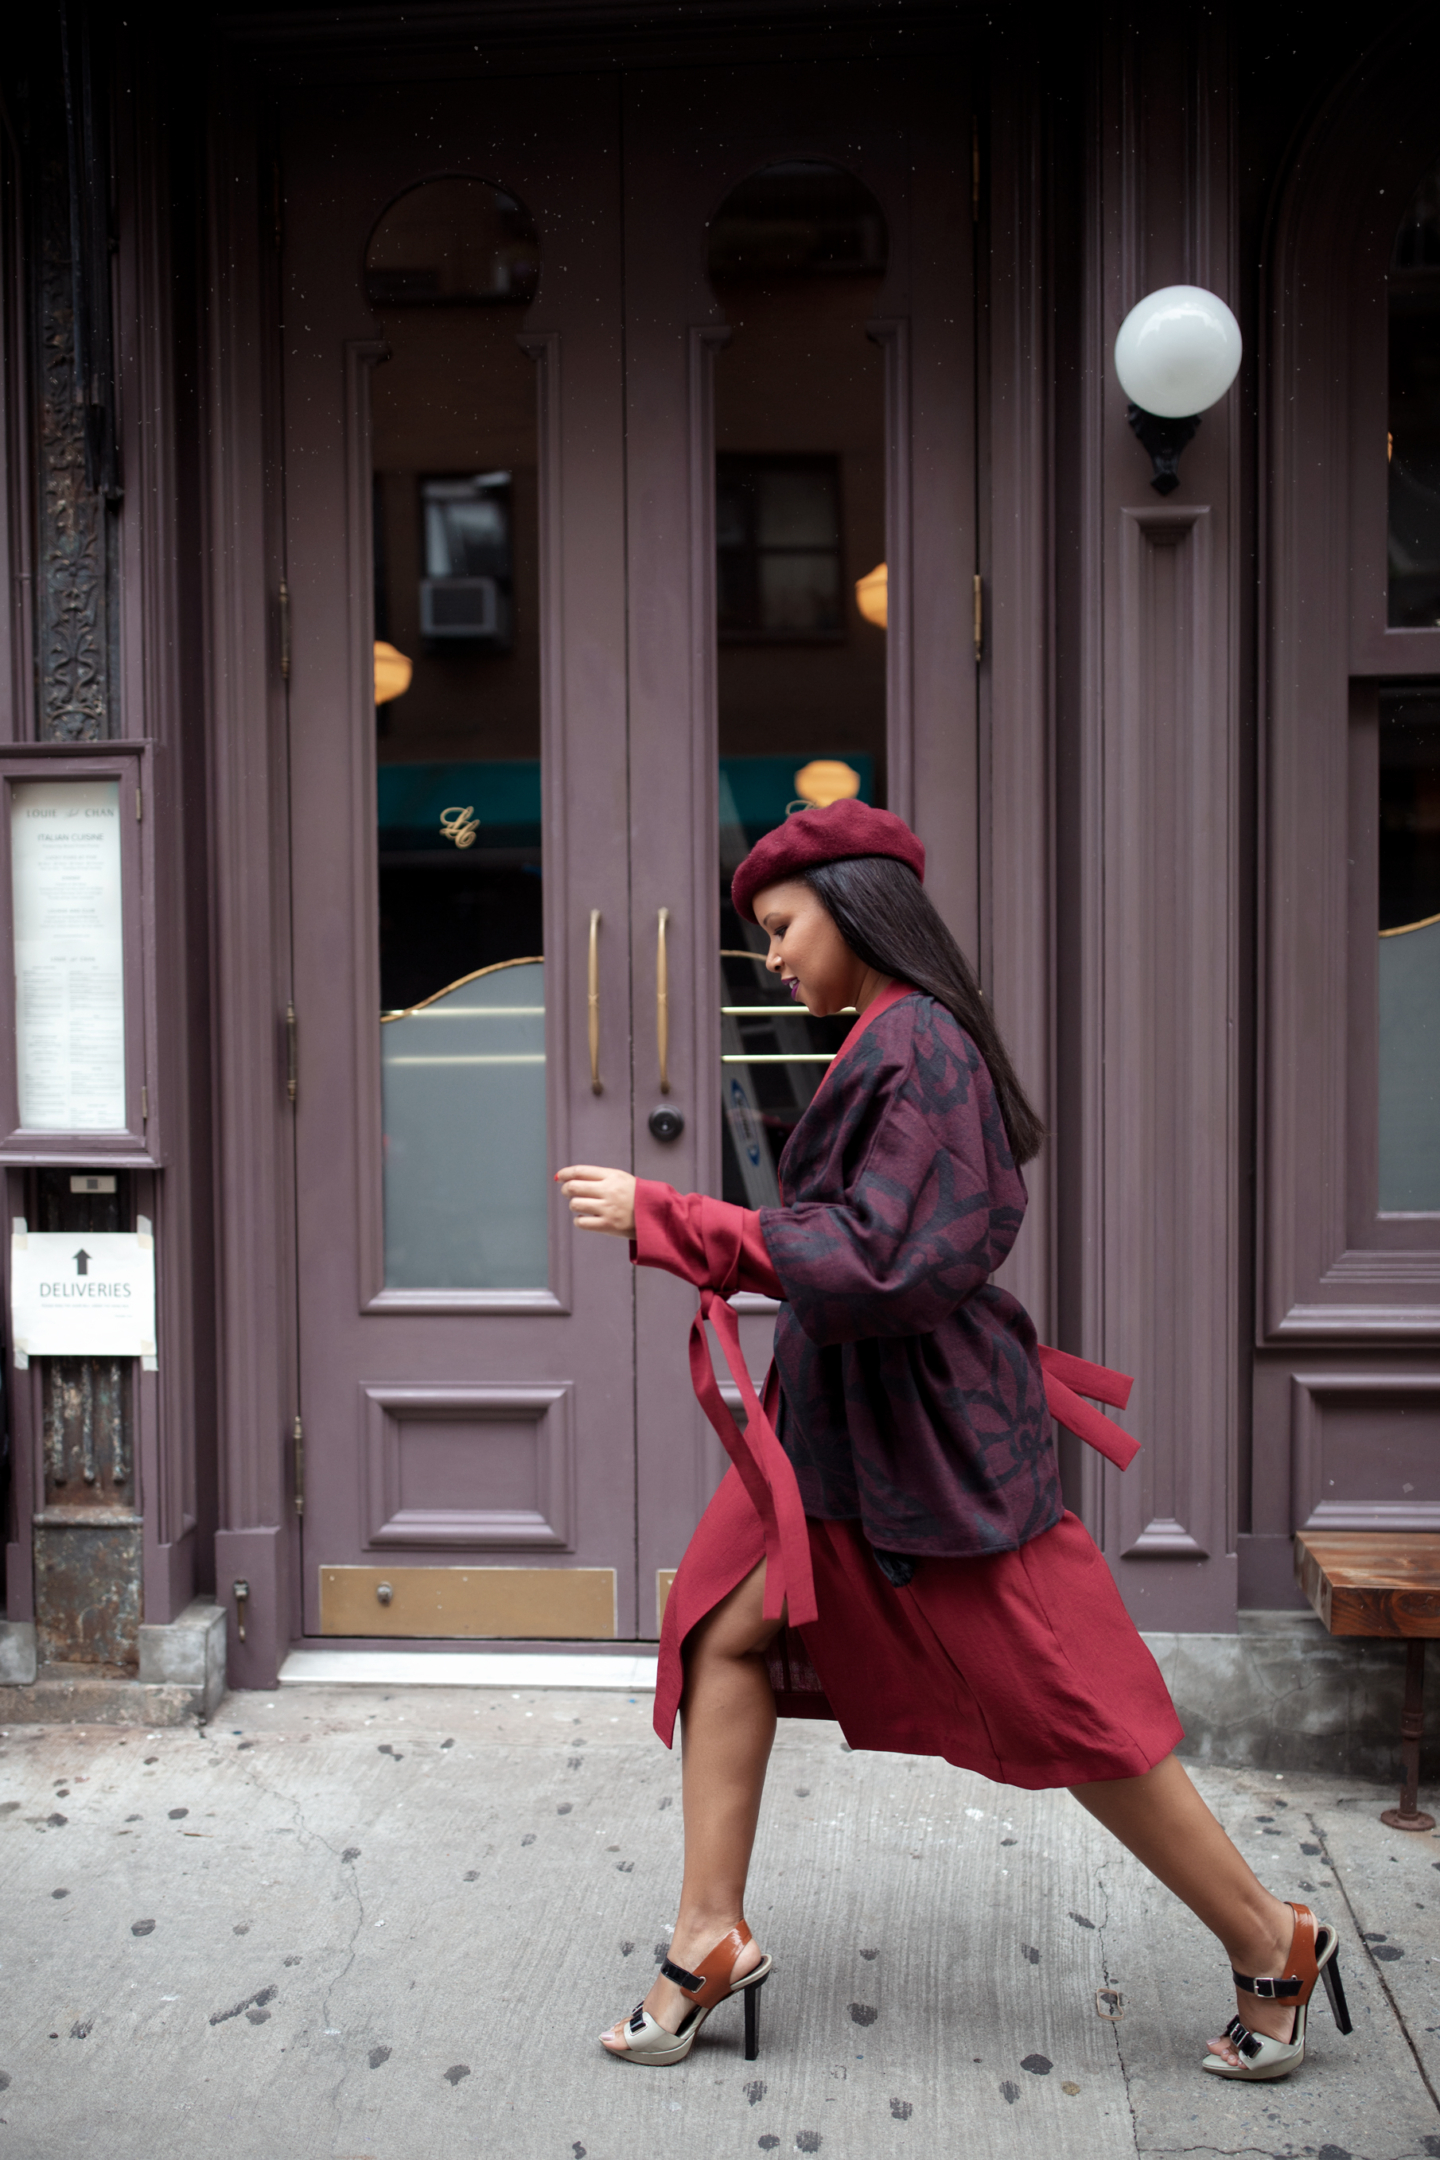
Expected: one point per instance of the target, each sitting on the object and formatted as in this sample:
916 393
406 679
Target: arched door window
1413 436
449 270
796 256
1407 828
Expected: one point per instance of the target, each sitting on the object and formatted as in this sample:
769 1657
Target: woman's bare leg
1166 1824
727 1726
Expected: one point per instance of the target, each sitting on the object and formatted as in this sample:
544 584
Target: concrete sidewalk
372 1922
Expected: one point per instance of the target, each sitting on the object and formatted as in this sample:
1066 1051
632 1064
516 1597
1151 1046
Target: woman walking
890 1547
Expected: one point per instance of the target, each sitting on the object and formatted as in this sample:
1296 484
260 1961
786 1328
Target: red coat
904 1196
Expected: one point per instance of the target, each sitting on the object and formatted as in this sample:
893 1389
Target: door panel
455 490
720 366
501 464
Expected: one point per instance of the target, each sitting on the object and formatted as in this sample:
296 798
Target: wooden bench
1384 1584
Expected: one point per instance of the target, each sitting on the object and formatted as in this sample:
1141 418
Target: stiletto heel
1334 1988
647 2041
752 2020
1312 1958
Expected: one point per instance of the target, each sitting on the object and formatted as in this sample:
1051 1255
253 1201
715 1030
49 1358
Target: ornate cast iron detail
89 1458
73 596
87 1531
87 1432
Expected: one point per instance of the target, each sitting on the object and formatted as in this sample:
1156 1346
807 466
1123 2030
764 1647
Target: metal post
1412 1719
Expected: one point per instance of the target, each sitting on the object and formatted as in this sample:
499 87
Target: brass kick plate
663 1578
525 1604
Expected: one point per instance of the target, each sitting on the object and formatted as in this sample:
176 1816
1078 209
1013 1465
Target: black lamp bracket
1164 439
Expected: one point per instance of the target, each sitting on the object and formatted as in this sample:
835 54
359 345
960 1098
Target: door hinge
297 1434
144 1105
284 631
979 617
292 1060
139 804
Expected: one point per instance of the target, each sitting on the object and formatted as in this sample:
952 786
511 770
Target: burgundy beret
819 836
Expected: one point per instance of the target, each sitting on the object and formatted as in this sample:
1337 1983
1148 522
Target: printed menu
69 955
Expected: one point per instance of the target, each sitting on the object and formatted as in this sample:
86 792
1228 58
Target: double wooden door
628 500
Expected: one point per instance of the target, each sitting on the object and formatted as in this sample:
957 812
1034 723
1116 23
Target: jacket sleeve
708 1242
929 1213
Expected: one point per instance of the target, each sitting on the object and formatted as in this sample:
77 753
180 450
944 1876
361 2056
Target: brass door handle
662 1001
593 1002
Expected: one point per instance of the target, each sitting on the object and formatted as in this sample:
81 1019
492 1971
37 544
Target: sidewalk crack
1102 1886
1375 1966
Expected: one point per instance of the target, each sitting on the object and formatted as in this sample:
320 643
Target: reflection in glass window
458 777
457 242
1409 971
1414 444
465 592
465 1135
777 536
796 257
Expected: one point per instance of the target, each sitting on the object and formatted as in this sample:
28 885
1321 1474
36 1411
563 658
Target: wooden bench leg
1412 1718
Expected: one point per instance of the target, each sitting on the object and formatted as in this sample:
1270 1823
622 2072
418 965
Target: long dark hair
888 920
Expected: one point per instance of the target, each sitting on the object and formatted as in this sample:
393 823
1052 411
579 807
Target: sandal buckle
1243 2039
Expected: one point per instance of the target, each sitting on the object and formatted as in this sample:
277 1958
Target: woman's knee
737 1626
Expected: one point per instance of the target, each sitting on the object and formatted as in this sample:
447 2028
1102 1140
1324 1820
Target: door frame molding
249 825
247 708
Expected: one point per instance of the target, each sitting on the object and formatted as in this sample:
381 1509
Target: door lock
666 1123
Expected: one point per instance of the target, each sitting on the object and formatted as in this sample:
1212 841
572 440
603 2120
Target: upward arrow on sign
82 1262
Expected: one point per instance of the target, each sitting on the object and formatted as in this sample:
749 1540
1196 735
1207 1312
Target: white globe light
1178 351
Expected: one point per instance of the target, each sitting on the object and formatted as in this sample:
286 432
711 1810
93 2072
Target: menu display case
77 1029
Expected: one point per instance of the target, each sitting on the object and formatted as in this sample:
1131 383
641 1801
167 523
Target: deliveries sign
82 1293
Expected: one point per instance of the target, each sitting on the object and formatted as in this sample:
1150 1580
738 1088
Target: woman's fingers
600 1199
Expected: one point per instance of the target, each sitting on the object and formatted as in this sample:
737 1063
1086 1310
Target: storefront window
797 253
1414 442
1410 950
458 775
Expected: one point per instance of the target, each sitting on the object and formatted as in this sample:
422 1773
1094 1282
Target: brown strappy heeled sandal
1313 1956
647 2040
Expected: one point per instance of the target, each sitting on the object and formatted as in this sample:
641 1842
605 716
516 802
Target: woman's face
808 953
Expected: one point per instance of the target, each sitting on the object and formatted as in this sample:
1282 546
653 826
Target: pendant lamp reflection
392 672
824 781
1177 353
872 595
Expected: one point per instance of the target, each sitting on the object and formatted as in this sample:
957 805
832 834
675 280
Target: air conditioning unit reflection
460 607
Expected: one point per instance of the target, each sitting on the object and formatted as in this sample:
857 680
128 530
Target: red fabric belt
769 1479
761 1461
1066 1380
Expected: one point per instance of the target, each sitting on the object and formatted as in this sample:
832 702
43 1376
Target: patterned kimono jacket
913 1403
911 1386
911 1391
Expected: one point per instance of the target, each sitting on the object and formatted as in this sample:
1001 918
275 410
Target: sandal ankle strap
712 1982
1305 1970
1267 1990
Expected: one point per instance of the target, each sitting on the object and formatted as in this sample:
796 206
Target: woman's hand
599 1199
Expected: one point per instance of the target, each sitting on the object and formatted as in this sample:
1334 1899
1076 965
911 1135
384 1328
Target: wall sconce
872 595
1177 353
392 672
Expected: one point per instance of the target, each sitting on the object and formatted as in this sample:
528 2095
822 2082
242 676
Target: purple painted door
801 547
455 564
590 577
